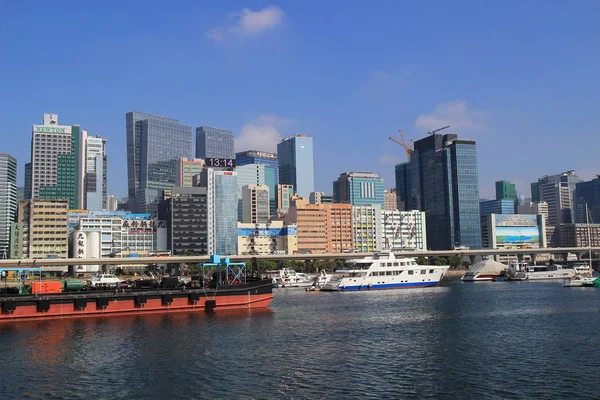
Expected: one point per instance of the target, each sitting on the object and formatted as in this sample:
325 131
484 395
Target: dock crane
407 147
437 130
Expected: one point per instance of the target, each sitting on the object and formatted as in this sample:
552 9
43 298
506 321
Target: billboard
517 230
518 235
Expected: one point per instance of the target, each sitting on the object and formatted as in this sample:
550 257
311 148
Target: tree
454 261
421 260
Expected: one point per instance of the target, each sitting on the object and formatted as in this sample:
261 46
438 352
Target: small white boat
288 278
580 280
524 271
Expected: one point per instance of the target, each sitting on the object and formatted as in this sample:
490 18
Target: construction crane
437 130
407 147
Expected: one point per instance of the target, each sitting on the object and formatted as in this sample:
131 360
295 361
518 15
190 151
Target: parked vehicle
103 280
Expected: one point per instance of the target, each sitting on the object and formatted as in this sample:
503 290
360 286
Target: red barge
228 289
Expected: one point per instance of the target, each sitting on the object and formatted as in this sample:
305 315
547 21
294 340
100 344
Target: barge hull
28 308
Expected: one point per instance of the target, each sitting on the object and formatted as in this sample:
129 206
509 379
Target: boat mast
587 220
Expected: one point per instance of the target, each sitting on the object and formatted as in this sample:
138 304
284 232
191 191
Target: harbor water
484 340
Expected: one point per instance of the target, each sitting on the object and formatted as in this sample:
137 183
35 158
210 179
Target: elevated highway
49 262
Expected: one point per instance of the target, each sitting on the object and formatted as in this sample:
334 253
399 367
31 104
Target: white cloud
390 159
261 134
457 114
248 23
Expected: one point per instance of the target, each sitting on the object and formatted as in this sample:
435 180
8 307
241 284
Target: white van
103 280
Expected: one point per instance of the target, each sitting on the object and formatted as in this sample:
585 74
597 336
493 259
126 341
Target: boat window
431 271
423 271
411 272
396 264
403 263
388 273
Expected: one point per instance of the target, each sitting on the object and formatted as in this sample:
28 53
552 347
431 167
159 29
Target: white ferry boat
385 271
291 279
524 271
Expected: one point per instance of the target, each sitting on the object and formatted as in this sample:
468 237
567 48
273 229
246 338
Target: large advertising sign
517 230
52 129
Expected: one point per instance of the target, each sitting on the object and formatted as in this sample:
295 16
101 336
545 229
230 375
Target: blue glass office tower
154 144
296 164
498 206
222 206
441 179
588 193
269 160
358 189
214 143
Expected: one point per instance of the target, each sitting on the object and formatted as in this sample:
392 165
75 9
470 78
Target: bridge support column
306 266
471 259
520 257
255 266
533 258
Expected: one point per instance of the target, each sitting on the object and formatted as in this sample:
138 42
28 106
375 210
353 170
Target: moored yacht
385 271
524 271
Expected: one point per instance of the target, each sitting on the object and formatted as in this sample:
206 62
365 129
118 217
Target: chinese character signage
16 240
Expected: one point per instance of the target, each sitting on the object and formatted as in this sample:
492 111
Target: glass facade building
588 193
359 189
500 206
269 160
296 164
222 205
95 173
505 190
214 143
8 200
442 180
154 146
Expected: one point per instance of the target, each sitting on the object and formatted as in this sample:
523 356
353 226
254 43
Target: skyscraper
154 145
588 193
505 190
269 160
95 173
55 171
214 143
358 189
187 171
249 174
8 200
255 204
221 203
558 191
441 179
296 164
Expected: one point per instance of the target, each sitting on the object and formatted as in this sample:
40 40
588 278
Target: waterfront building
8 201
588 193
311 221
41 231
94 182
499 206
249 174
56 168
320 198
269 160
268 238
184 209
339 228
358 189
255 204
188 170
214 143
540 207
112 204
441 179
403 230
222 206
506 190
120 234
296 164
154 146
367 228
284 192
576 235
390 200
558 191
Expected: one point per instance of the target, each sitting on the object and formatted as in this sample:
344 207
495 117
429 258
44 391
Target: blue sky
521 78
